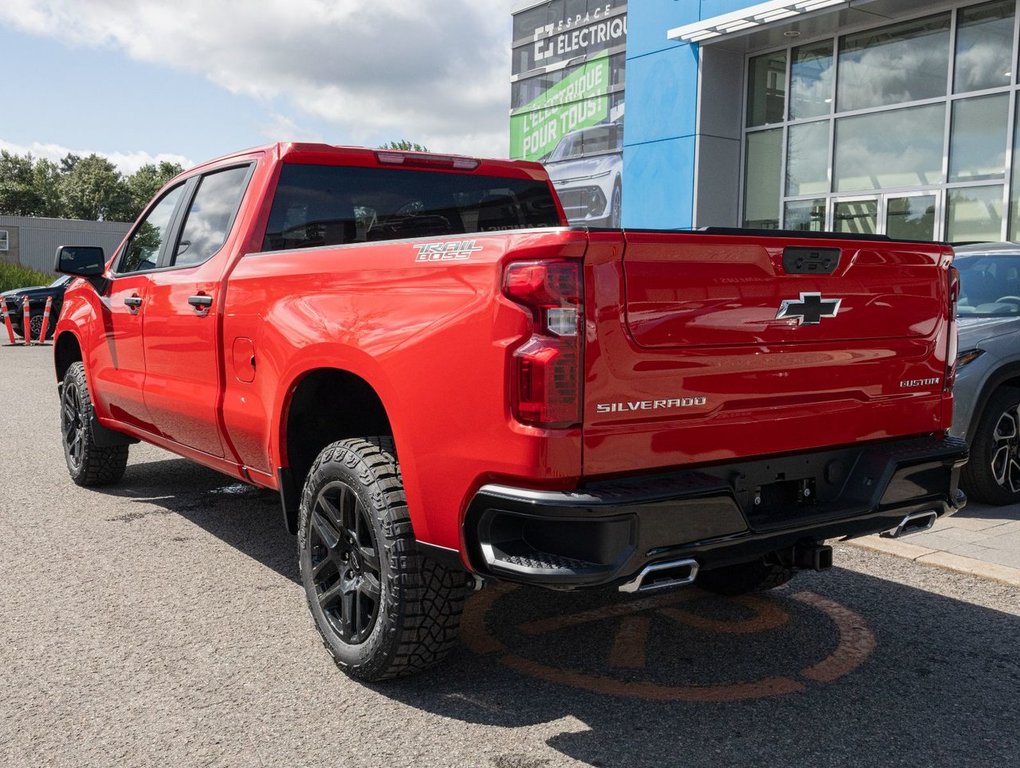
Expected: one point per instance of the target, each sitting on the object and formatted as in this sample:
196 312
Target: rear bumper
604 533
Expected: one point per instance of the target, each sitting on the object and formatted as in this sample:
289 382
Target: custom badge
809 309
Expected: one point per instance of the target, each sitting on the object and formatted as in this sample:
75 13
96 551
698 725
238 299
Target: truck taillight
546 369
952 349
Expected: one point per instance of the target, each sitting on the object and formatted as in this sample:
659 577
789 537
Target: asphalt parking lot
161 622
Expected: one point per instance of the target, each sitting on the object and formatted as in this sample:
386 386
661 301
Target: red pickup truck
446 384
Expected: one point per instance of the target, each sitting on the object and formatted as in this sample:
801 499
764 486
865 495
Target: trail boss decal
456 250
650 405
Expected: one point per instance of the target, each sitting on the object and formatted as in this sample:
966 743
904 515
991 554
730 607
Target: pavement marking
856 641
633 621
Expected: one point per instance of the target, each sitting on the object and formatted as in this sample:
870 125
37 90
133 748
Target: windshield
599 140
989 286
60 281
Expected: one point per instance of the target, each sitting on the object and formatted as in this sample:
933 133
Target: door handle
200 302
134 302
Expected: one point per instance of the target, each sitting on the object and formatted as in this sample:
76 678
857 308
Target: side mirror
80 260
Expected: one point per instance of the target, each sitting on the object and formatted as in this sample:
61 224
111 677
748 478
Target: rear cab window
318 205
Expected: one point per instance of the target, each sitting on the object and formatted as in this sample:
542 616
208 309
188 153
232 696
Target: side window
143 249
210 215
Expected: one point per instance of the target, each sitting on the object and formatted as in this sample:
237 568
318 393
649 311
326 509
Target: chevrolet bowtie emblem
809 309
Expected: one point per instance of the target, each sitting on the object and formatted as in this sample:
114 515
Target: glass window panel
894 64
898 148
811 80
984 46
807 159
804 215
974 213
147 241
855 217
911 218
766 89
763 179
210 214
1014 189
977 145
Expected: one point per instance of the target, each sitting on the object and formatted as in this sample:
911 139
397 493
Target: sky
142 80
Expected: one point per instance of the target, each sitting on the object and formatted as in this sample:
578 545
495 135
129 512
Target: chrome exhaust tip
915 523
675 573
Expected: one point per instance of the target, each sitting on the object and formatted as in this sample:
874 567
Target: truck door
182 334
118 362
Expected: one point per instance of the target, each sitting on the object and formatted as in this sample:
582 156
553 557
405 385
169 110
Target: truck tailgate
723 346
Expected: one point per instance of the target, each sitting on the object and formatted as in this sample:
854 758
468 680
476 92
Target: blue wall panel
662 95
662 99
648 20
710 8
660 176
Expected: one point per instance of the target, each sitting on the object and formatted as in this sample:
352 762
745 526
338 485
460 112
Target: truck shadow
834 669
245 517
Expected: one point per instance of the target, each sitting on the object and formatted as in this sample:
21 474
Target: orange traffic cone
46 320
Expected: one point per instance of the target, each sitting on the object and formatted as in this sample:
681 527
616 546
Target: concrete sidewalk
980 540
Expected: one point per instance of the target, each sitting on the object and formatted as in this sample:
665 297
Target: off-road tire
978 477
88 464
756 576
417 612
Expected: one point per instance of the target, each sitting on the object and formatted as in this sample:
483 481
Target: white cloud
126 162
432 71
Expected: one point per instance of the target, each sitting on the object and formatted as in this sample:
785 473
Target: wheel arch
1006 376
66 350
320 405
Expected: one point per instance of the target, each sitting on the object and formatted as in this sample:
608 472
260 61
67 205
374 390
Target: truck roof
330 154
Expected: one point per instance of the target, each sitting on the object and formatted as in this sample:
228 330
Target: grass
16 276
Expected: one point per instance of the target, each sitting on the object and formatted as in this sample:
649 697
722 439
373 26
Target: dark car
37 295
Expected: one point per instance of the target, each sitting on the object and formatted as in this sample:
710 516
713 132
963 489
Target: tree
17 191
95 190
143 184
46 180
405 146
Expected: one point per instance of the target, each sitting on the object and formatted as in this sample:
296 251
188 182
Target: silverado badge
809 309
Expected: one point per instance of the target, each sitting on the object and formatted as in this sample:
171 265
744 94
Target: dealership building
864 116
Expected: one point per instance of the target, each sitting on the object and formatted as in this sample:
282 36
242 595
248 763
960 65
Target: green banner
577 101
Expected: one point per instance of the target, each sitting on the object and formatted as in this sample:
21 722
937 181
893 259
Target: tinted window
319 205
985 281
209 217
147 241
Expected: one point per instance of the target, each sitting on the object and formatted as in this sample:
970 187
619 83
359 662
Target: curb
993 571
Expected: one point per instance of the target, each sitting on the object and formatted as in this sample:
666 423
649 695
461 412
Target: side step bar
675 573
915 523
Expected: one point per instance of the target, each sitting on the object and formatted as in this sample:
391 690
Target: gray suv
987 392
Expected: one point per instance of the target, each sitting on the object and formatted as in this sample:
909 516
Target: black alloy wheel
345 562
993 473
35 327
73 426
88 464
382 608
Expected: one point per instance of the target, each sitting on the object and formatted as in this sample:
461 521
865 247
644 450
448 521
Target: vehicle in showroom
447 385
37 295
586 168
988 380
